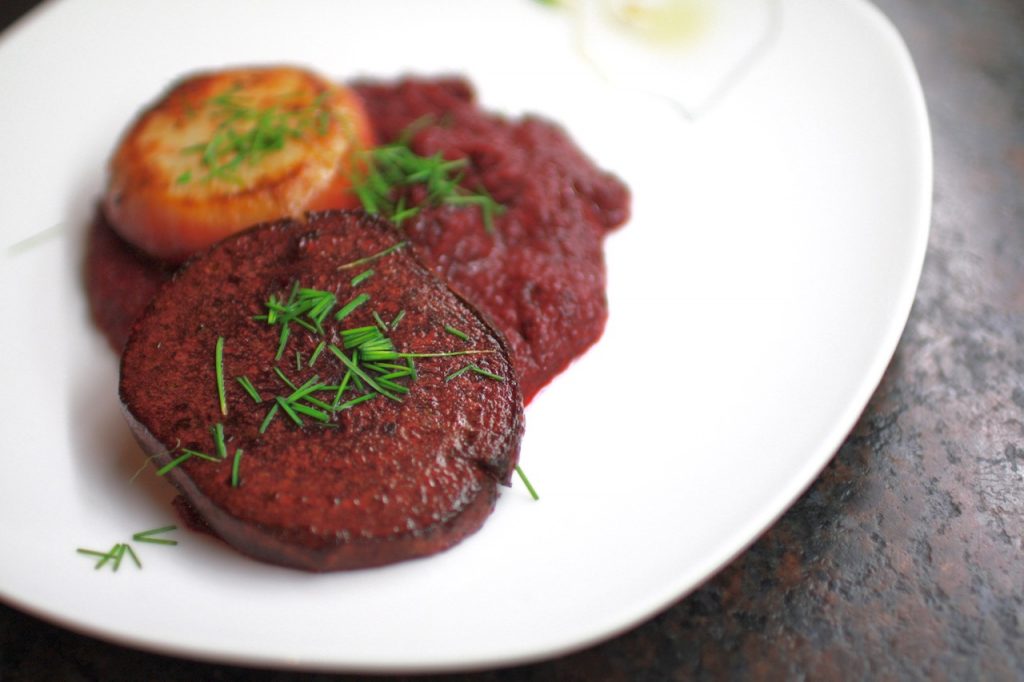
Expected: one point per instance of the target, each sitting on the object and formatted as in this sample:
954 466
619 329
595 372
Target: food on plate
321 399
539 273
521 239
224 150
340 389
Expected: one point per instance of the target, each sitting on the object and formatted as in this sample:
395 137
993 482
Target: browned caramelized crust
223 150
379 482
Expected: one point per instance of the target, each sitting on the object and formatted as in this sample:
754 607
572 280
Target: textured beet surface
383 481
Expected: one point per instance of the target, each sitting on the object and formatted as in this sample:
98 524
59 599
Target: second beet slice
320 399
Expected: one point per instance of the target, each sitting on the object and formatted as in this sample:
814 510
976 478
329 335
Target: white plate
756 298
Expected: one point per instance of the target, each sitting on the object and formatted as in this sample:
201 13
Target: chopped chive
308 386
484 373
200 455
351 305
218 439
375 354
370 259
285 333
526 482
109 556
399 373
456 332
354 338
358 383
445 355
147 536
476 369
167 467
341 388
117 553
284 378
288 410
457 373
361 277
391 385
105 556
250 389
90 552
266 420
403 214
219 367
271 316
355 401
380 322
134 556
391 167
310 412
234 467
317 403
398 318
298 361
360 373
316 353
312 329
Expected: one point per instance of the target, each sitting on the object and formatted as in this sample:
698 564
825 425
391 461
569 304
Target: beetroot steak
374 430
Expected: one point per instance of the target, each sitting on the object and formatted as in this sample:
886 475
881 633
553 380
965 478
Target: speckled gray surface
904 559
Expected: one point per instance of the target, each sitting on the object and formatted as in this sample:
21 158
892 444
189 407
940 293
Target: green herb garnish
526 482
389 171
147 536
250 389
234 467
173 463
456 332
270 416
245 134
218 440
398 318
117 553
307 308
316 353
476 369
369 259
351 305
361 277
218 364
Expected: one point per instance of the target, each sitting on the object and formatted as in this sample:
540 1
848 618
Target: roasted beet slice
407 472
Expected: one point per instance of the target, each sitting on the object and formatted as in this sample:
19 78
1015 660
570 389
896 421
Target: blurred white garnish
691 52
660 22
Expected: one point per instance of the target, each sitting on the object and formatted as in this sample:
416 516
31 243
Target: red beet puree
540 276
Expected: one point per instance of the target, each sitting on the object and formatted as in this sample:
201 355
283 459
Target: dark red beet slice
380 482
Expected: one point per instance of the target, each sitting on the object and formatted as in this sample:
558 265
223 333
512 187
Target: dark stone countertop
904 559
